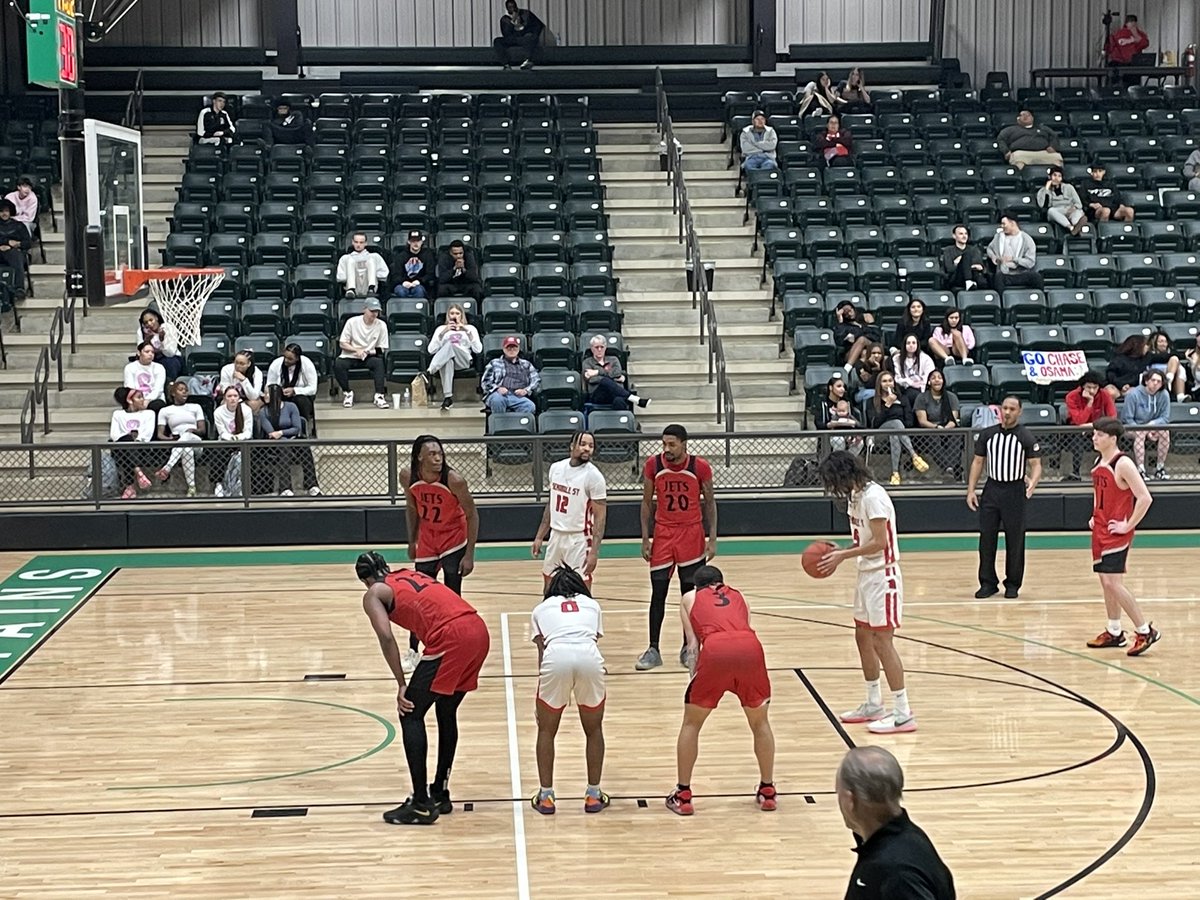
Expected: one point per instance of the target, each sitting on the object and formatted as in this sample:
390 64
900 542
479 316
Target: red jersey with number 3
719 610
1111 503
424 606
443 526
677 490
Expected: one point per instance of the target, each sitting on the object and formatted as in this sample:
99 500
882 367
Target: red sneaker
1107 639
1142 642
766 798
680 803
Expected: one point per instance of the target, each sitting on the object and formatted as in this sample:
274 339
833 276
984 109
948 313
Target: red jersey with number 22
677 490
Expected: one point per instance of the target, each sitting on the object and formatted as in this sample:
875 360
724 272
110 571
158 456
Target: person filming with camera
1124 45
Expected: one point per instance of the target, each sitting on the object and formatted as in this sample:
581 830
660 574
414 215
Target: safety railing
37 397
133 105
672 150
514 467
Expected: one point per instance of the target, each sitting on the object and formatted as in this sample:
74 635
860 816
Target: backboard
115 197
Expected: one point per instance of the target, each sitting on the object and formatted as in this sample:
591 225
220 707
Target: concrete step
647 133
614 164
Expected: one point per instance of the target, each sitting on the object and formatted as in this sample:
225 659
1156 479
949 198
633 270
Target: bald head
872 776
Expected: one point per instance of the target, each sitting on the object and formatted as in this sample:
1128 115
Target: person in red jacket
1125 44
1086 403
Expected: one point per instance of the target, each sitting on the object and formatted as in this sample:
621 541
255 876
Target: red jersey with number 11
424 605
1111 503
677 489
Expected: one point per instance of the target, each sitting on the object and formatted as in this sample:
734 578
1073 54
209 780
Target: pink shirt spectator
27 207
947 341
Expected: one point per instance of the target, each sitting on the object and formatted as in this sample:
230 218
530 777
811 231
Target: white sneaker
347 399
381 401
408 662
287 493
893 724
969 284
864 712
314 491
219 490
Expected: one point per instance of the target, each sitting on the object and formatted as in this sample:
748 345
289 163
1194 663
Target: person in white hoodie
147 376
234 422
361 271
131 423
183 423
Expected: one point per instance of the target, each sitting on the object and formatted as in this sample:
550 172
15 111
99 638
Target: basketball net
181 299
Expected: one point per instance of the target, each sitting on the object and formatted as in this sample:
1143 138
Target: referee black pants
1002 505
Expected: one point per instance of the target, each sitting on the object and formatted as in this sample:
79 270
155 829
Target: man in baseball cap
417 269
509 381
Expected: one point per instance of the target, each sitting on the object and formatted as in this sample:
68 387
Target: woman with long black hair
279 420
296 375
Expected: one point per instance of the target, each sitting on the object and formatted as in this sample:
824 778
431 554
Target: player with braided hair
566 627
456 645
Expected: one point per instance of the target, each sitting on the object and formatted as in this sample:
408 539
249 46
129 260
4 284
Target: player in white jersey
879 594
566 626
575 513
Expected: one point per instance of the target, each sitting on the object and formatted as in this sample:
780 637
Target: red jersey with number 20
719 610
424 606
1112 503
677 489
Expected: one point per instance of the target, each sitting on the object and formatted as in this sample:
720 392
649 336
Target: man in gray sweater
1061 202
1025 143
758 142
1191 171
1014 255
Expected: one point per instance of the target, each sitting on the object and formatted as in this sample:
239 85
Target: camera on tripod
1109 15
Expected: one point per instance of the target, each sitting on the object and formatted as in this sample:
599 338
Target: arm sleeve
159 384
874 505
200 124
264 421
597 486
1051 137
473 337
1043 198
381 266
275 371
903 884
252 386
306 384
993 249
489 378
981 443
439 338
535 377
1001 141
1162 408
746 142
115 432
1075 406
1028 257
1032 449
289 420
343 268
1192 166
770 139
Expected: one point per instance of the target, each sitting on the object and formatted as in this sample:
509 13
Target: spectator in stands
1193 368
520 36
1025 143
25 202
1086 402
147 377
1101 199
280 420
758 142
1148 404
244 377
937 409
962 261
1124 45
452 346
605 379
14 243
853 92
1014 255
870 364
1161 358
952 341
132 422
1061 202
362 269
214 124
833 413
888 412
164 336
911 367
234 421
853 333
818 98
1126 365
914 322
458 273
1191 170
364 341
835 145
509 381
289 126
297 379
416 274
183 423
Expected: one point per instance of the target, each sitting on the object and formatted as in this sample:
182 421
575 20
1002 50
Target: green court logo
35 601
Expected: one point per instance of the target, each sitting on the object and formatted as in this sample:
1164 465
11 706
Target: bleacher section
29 147
927 159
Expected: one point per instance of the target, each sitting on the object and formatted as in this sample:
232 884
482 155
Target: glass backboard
115 197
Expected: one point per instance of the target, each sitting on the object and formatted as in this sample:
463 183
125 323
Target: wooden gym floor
164 741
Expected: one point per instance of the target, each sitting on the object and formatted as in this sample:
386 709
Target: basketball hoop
179 293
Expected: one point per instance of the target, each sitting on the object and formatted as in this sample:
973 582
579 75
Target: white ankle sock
874 693
900 703
1114 627
1145 629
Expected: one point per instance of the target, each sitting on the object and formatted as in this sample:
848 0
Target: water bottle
406 402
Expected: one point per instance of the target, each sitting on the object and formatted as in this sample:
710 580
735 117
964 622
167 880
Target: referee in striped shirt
1007 450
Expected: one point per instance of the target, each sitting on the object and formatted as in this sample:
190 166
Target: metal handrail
61 325
133 105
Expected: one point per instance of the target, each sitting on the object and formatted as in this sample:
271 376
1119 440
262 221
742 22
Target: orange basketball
812 555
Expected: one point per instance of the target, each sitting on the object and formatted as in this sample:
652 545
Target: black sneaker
447 402
1010 593
412 812
984 592
441 800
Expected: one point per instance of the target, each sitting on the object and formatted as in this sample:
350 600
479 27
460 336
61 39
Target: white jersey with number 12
572 490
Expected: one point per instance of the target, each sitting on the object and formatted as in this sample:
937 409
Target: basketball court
221 723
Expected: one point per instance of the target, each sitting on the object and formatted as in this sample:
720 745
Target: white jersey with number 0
567 620
873 502
572 490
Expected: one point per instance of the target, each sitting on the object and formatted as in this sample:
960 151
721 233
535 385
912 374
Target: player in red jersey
1120 503
727 656
456 644
677 496
442 521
